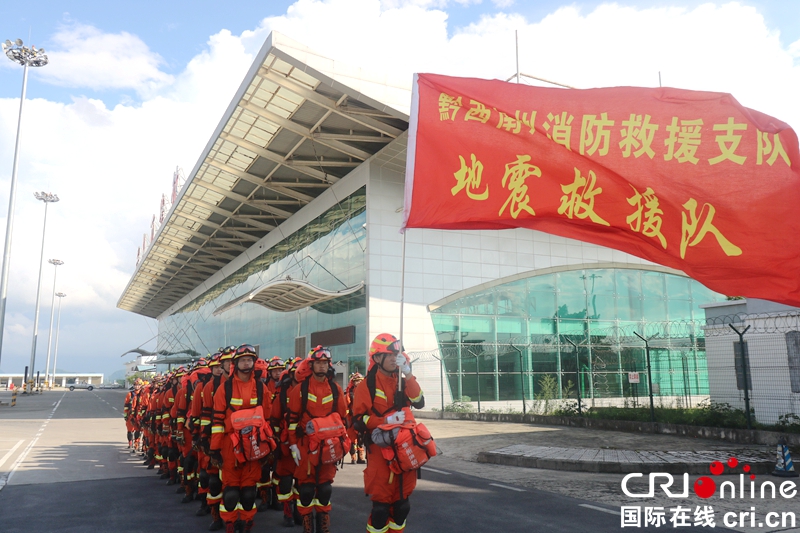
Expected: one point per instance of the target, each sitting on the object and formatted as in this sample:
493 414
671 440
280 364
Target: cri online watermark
706 488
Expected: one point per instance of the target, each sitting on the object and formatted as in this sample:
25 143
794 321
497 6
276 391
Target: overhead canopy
287 295
289 134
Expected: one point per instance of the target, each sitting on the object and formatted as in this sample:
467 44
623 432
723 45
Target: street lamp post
47 198
25 57
58 327
56 263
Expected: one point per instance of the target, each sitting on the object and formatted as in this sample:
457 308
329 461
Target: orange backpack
252 435
411 446
329 442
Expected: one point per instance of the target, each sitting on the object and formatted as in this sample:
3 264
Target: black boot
204 509
298 519
308 523
323 522
264 505
288 520
217 522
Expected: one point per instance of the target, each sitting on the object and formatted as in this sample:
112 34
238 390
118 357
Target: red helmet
215 360
180 372
320 353
276 363
385 343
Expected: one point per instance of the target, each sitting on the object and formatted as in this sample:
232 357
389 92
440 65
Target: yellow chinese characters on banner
635 136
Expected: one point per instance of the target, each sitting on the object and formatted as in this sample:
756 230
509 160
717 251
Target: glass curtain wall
329 252
546 336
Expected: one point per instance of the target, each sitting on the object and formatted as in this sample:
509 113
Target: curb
735 436
608 467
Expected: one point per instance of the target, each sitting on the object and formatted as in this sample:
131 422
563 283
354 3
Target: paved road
64 466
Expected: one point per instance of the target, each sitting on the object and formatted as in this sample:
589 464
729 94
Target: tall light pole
25 57
47 198
56 263
58 327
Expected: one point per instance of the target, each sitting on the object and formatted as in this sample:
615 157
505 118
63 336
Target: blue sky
179 30
135 89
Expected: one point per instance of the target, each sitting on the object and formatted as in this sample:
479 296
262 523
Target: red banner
687 179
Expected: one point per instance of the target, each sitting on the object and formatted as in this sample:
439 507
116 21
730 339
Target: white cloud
84 57
111 165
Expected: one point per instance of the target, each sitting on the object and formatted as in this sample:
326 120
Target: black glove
216 456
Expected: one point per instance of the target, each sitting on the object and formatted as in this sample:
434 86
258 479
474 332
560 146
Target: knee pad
380 515
400 510
130 435
324 491
214 485
307 493
163 451
285 484
190 463
248 498
137 434
203 479
231 497
172 454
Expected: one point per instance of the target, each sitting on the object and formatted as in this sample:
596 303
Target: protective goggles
320 353
245 350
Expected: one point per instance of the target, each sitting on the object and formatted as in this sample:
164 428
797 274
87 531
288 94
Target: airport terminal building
286 235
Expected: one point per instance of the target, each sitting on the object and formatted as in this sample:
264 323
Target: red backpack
329 442
252 435
411 447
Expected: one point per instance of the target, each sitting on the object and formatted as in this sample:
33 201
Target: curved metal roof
290 132
287 295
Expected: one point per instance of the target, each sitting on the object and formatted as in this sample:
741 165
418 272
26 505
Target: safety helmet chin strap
380 365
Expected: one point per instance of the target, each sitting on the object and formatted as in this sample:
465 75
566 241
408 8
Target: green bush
460 406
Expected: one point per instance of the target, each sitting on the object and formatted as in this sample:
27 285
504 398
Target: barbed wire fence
747 362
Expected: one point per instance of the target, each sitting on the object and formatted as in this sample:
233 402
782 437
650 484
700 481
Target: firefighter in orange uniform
285 466
316 395
220 372
241 392
389 492
268 484
357 445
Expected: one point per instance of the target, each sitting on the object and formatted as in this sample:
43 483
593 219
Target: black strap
304 394
229 392
371 385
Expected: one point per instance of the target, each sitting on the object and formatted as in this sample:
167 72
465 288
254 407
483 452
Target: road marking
7 478
609 511
12 450
429 469
506 487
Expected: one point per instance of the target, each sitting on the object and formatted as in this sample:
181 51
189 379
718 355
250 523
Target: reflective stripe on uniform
205 422
365 418
237 401
414 400
312 397
217 429
293 427
395 527
327 399
380 394
371 529
253 401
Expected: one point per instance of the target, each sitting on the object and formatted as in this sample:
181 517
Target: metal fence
749 363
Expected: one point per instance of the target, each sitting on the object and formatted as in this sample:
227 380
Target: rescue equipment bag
252 435
327 439
410 445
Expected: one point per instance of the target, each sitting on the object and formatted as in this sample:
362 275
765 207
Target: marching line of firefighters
235 428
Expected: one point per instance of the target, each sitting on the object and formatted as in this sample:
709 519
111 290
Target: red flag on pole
692 180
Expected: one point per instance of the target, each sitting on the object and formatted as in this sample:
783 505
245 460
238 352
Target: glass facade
545 336
328 252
